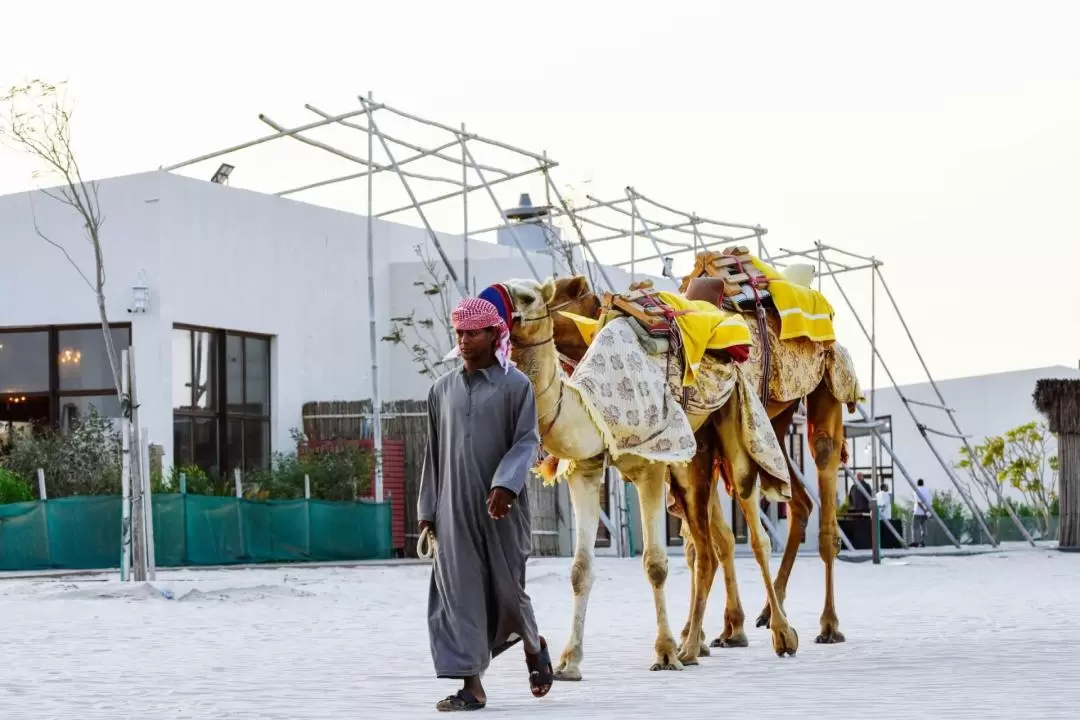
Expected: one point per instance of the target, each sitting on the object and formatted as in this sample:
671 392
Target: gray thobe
482 434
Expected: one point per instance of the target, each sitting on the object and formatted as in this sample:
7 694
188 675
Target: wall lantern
140 295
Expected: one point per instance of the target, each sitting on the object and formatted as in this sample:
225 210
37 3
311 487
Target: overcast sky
939 136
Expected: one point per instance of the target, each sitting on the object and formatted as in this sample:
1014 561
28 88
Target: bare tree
38 123
428 339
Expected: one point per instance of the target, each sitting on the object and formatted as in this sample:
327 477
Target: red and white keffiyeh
477 314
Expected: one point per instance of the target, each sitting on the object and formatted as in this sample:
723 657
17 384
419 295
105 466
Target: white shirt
884 504
924 493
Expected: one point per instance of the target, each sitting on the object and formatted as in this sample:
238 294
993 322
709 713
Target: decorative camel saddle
729 280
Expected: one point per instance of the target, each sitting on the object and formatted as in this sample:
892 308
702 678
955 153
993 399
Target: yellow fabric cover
585 325
804 312
704 327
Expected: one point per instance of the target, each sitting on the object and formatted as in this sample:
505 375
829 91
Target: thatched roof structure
1059 401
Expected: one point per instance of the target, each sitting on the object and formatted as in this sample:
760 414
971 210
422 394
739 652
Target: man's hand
500 500
425 524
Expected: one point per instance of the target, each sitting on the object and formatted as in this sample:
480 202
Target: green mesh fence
82 533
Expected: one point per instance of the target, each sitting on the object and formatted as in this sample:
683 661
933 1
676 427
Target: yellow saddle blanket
804 312
703 327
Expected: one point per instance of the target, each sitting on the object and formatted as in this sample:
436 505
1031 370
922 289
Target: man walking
482 442
921 513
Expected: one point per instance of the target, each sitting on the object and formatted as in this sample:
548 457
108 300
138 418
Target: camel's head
532 322
572 294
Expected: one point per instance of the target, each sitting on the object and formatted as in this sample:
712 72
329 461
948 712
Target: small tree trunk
1069 484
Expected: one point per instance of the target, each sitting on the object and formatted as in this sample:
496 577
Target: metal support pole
820 258
875 478
645 227
903 471
956 481
952 416
633 248
465 210
877 353
373 333
374 128
581 236
495 202
555 242
875 531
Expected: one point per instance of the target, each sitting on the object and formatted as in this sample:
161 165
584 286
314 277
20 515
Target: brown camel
824 412
573 295
569 432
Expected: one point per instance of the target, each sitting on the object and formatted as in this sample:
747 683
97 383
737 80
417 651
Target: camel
828 448
568 432
573 295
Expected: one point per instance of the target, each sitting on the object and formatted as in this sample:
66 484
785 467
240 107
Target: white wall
227 258
985 405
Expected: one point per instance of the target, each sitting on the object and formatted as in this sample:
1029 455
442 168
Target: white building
272 289
985 405
275 292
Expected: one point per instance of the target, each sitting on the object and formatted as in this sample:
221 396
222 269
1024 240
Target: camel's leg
799 509
825 421
584 485
695 483
691 556
650 480
724 541
743 473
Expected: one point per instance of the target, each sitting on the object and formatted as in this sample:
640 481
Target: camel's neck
540 363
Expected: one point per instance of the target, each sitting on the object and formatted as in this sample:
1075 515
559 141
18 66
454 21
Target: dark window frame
55 393
221 413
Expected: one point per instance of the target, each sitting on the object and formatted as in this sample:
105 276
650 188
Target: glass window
234 373
224 424
24 362
74 409
181 369
256 444
182 454
205 371
205 445
234 437
83 361
257 376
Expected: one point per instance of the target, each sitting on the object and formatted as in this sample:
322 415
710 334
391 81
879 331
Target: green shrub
85 461
339 472
13 489
947 506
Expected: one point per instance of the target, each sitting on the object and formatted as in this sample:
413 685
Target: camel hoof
763 619
686 660
667 657
786 642
704 651
667 666
568 675
733 641
830 637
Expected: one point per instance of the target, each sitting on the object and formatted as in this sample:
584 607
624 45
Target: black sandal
505 646
540 681
462 700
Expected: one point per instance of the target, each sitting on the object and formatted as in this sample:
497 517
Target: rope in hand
425 546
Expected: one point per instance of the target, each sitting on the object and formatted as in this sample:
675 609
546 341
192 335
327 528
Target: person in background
859 495
884 502
923 501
